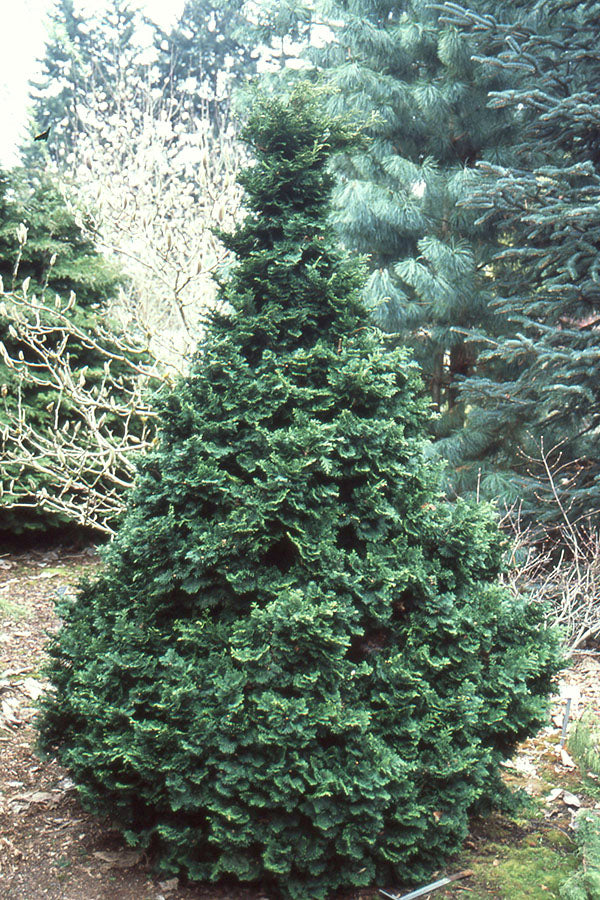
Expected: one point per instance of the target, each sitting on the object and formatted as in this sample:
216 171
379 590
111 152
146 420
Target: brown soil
52 849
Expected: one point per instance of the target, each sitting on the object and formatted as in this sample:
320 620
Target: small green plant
584 743
585 884
10 610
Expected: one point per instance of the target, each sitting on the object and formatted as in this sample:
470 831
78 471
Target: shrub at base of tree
298 666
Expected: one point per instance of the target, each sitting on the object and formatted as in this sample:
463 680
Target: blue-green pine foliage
297 666
539 387
411 77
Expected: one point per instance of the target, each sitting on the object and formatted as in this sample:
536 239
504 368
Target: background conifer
539 379
413 79
89 62
204 55
297 665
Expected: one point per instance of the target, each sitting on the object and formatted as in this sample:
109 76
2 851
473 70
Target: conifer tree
205 55
90 63
58 95
297 665
540 389
413 78
34 201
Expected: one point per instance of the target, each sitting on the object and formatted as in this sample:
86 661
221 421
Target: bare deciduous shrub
559 566
97 425
150 185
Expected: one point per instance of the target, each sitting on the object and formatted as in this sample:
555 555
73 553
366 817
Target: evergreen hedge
297 665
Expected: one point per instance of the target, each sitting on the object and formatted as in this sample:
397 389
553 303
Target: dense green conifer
297 665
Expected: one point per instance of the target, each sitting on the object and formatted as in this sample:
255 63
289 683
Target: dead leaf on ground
8 672
566 759
567 797
571 800
119 860
32 687
8 709
34 797
167 887
65 784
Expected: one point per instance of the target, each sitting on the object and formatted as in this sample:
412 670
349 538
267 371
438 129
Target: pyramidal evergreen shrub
297 665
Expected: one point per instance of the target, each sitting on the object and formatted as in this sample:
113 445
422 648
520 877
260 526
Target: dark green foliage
297 666
541 377
42 246
35 201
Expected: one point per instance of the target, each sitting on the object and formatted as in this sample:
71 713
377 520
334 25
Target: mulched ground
50 848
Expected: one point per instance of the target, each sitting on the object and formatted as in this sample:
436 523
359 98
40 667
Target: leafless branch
559 567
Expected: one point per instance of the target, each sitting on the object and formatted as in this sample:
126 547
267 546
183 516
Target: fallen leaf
566 759
8 708
8 672
571 800
32 688
554 795
524 765
51 573
122 860
34 797
550 813
65 784
167 887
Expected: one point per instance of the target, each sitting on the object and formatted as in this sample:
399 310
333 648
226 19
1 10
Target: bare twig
560 566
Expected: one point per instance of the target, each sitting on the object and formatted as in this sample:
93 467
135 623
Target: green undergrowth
584 746
523 855
11 610
584 884
534 868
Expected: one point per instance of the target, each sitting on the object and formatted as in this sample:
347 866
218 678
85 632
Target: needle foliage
297 666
